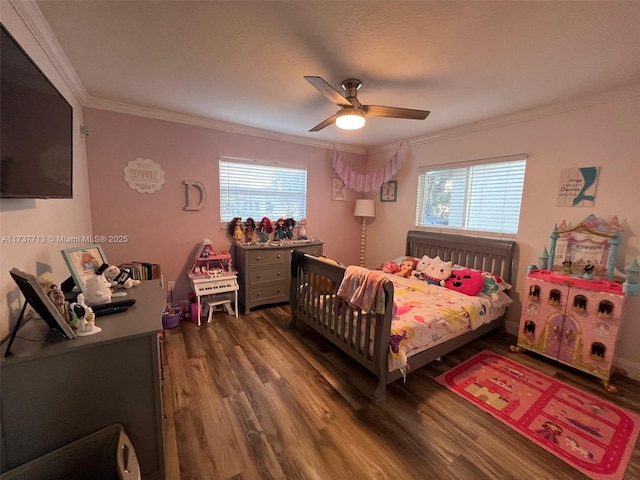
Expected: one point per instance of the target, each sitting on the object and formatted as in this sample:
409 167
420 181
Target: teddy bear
437 272
118 278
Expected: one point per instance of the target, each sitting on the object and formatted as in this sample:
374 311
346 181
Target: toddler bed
407 322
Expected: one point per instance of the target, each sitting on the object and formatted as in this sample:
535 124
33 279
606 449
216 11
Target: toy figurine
235 229
302 229
249 229
264 228
98 290
289 223
279 232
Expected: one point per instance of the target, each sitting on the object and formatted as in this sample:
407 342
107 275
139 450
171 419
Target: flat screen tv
36 129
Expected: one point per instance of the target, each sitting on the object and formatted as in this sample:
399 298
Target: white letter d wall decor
202 192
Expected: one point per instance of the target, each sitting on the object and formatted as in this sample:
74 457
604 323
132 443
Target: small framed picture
389 191
338 190
83 262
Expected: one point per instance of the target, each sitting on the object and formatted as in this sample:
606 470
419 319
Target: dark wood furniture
263 272
55 391
333 317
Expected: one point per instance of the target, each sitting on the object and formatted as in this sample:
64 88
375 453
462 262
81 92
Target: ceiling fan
352 113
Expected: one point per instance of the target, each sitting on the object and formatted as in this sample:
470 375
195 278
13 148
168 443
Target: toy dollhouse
573 309
211 276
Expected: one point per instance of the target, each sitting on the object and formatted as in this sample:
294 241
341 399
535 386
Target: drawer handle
258 259
278 256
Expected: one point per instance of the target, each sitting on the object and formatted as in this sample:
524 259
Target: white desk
204 285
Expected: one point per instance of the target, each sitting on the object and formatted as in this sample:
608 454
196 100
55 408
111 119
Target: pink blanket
363 288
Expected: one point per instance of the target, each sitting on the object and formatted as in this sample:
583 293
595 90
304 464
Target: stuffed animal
420 267
390 267
117 277
407 266
467 281
98 290
437 272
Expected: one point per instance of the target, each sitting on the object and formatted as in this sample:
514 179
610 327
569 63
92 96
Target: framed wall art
338 190
389 191
83 261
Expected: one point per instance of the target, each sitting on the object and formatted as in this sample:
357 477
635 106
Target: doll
235 229
302 229
280 233
289 223
249 228
406 266
264 228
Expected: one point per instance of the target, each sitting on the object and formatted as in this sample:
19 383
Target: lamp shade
365 208
350 119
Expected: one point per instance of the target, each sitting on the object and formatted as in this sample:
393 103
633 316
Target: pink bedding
426 315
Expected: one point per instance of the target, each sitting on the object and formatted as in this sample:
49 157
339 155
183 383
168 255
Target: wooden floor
246 398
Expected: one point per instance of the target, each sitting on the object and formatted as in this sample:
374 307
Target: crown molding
157 114
33 19
628 93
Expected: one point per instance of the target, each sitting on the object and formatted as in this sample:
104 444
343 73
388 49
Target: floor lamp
365 208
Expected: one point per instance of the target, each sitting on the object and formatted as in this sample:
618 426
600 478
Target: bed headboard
488 254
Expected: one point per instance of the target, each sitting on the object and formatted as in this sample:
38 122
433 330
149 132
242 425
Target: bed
372 336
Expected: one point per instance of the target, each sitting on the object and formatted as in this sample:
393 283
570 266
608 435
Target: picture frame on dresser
83 262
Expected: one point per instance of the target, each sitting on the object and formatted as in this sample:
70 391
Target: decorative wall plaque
144 175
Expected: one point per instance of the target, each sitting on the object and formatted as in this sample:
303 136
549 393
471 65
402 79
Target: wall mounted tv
36 129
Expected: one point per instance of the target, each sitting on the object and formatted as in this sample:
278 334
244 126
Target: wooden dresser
264 271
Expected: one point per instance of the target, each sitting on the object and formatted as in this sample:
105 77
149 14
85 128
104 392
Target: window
252 189
481 196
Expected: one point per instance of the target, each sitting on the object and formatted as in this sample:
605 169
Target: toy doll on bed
406 267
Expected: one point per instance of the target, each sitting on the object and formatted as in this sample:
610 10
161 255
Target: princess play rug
586 432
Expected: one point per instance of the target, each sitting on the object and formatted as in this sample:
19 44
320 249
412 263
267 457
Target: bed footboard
364 336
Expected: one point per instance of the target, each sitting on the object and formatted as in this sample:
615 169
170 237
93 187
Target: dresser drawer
267 257
271 274
278 291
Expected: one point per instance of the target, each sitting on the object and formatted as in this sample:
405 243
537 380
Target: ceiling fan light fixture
350 119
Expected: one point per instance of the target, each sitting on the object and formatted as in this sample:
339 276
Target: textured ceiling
244 62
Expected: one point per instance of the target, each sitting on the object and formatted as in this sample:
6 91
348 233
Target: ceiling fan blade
328 91
324 123
395 112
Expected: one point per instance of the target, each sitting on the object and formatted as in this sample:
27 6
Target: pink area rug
588 433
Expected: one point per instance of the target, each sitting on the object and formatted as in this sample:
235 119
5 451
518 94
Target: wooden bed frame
338 322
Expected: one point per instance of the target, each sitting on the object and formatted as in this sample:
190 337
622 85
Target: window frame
259 163
421 205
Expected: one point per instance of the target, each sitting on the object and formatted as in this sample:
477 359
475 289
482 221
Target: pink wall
158 228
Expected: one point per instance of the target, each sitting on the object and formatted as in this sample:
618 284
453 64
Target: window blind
250 189
483 196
